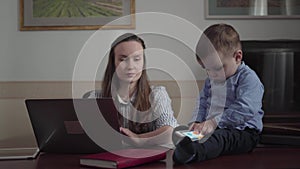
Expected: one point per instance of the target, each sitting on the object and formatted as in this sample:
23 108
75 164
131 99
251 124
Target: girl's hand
128 132
133 138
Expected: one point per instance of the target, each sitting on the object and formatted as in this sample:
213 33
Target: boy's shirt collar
240 67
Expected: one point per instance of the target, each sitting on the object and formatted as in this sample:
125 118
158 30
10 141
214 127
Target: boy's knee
184 151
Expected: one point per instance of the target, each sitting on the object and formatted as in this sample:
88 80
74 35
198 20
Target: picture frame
252 9
76 14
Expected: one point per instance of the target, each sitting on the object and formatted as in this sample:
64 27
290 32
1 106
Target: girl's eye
122 59
137 58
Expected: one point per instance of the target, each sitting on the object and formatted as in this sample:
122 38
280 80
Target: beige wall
40 64
15 127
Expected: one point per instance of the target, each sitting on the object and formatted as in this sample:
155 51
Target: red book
123 158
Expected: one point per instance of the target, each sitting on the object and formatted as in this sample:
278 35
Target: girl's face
129 61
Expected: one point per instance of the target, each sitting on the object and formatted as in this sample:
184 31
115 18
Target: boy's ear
238 55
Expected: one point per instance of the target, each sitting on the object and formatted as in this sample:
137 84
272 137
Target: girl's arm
160 136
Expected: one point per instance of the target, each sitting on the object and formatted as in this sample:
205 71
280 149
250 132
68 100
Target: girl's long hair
111 81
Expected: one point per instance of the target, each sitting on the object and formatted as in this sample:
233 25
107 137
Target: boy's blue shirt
242 105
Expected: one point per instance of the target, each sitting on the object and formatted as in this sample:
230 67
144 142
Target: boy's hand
196 126
205 127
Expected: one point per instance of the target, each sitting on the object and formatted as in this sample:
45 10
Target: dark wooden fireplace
277 63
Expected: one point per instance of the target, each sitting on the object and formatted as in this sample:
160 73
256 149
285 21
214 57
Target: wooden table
259 158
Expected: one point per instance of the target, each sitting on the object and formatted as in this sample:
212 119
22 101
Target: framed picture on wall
76 14
222 9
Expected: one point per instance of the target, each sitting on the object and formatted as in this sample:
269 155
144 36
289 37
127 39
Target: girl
147 116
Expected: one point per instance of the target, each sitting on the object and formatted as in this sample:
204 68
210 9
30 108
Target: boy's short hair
221 38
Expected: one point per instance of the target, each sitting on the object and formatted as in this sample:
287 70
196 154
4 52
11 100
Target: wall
41 63
51 55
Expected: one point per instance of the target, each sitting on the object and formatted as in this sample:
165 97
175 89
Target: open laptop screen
57 128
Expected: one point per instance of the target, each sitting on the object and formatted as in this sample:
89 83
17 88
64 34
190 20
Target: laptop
66 125
18 153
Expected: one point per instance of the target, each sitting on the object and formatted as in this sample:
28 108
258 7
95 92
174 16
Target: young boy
229 106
